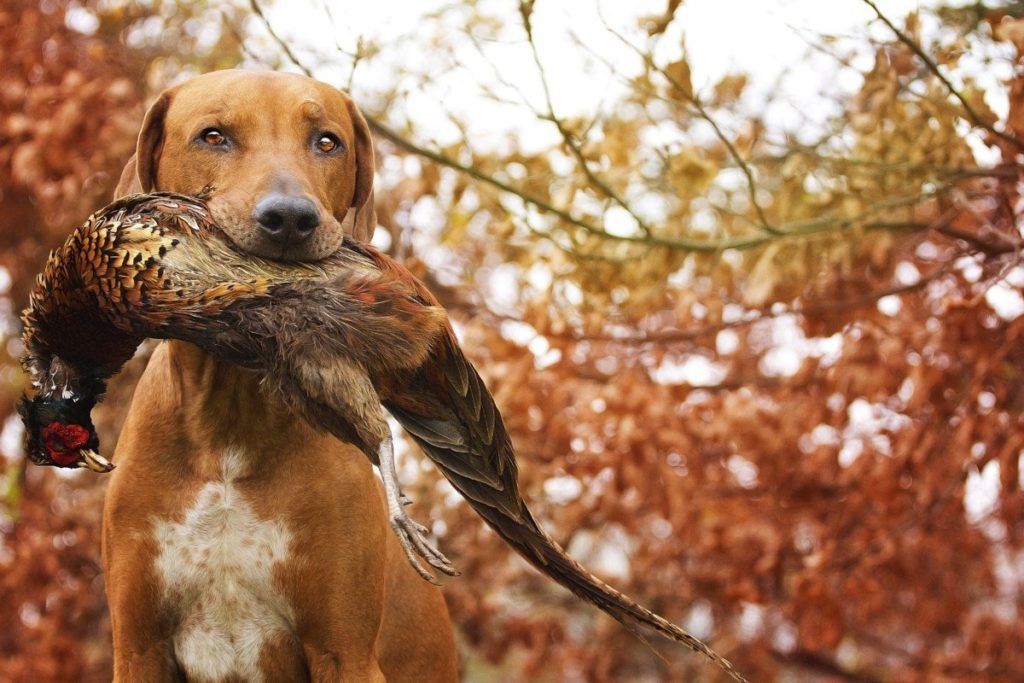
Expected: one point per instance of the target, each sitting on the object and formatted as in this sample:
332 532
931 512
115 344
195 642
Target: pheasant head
59 429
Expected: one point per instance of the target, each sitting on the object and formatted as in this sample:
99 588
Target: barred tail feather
538 548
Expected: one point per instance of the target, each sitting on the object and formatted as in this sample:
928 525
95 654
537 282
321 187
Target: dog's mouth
294 252
248 237
281 253
290 253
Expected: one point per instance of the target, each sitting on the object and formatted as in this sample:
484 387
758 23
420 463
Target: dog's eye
327 143
213 137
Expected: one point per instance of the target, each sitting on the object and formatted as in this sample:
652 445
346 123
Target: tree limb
525 10
934 68
688 95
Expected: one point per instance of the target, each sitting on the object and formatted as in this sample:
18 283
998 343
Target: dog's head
286 157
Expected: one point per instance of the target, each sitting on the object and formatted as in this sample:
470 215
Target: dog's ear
365 220
151 138
129 182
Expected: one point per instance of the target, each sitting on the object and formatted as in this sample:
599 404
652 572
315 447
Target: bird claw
94 461
411 534
412 537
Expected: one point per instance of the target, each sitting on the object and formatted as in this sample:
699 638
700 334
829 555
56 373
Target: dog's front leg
154 665
329 667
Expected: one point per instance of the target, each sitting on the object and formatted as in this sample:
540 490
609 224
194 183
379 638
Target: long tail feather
474 436
537 547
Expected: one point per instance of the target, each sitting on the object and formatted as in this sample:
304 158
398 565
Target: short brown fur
362 613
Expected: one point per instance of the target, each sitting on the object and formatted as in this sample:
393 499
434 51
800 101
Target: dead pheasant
335 339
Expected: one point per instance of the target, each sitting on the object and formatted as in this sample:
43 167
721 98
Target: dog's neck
219 406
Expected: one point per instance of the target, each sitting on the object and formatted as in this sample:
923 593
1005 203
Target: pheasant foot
411 534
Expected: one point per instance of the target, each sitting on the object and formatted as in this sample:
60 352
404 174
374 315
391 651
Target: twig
237 35
934 68
500 78
766 313
356 56
526 10
694 101
277 39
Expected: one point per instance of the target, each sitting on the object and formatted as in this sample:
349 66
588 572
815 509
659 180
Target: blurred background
744 279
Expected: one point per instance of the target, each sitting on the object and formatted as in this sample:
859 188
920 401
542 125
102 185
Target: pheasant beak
94 461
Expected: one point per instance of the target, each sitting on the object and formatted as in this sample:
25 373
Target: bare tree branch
277 39
934 68
526 10
767 313
689 96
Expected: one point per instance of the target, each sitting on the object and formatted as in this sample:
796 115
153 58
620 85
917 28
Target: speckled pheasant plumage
335 340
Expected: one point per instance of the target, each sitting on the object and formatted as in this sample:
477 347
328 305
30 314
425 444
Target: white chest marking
217 570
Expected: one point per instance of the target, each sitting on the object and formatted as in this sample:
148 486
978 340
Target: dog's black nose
286 219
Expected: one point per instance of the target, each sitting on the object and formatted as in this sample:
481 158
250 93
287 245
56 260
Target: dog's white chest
217 567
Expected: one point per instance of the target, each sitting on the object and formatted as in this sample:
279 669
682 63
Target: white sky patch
11 437
744 471
607 551
700 621
986 401
821 435
693 370
752 620
782 361
790 348
459 329
981 492
969 268
907 274
660 528
543 354
785 637
1015 277
381 238
733 313
539 276
427 215
890 305
517 332
618 222
906 390
927 250
82 20
502 286
1005 300
523 334
726 342
562 490
850 452
866 425
571 292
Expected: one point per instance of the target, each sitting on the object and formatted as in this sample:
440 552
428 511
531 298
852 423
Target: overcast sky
762 39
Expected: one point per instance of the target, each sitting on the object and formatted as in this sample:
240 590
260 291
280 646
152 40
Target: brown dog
238 543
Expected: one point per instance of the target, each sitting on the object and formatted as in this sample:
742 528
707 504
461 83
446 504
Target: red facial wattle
63 441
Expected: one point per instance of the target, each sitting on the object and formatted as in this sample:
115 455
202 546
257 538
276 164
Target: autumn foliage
780 402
